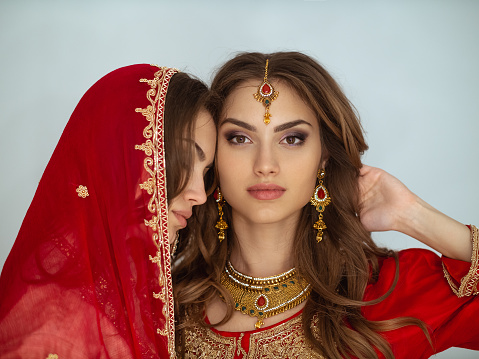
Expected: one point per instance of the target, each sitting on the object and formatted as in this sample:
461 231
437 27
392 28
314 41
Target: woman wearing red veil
89 274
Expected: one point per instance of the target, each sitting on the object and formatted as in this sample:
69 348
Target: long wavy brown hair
340 267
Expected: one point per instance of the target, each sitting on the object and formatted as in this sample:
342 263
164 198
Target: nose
265 162
195 190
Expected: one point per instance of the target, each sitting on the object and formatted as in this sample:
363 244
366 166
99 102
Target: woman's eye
238 139
293 140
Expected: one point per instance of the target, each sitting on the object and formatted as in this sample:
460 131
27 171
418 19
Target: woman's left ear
323 163
324 157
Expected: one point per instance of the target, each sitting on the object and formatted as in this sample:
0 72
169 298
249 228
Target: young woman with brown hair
89 274
287 267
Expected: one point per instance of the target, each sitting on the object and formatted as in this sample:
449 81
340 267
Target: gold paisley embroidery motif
155 186
239 348
285 340
52 356
82 191
204 343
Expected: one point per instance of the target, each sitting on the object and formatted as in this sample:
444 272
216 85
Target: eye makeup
236 137
298 138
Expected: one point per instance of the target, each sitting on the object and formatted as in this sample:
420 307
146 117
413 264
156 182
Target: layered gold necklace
264 297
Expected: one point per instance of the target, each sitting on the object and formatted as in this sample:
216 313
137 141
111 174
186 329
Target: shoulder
411 256
414 271
414 261
418 282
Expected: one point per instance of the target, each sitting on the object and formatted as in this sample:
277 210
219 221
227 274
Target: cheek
169 223
304 176
231 171
306 186
221 163
228 179
229 161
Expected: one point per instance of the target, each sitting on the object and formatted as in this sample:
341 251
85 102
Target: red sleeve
423 292
457 269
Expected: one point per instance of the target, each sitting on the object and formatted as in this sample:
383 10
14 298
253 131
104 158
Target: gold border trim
470 281
155 186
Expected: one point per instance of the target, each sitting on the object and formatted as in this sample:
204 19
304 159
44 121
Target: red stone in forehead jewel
266 89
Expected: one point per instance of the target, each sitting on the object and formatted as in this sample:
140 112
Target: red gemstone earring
320 199
266 94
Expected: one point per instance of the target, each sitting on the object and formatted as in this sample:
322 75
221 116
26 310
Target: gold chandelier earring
221 225
320 199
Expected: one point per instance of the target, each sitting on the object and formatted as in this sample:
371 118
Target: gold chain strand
264 297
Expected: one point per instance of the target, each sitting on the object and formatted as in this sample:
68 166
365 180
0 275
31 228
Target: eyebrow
239 123
285 126
279 128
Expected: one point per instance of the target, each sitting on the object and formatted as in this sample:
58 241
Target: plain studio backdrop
409 67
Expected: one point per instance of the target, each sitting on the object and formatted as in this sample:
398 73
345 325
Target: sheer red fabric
89 273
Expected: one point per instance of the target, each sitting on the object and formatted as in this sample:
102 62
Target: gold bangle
469 282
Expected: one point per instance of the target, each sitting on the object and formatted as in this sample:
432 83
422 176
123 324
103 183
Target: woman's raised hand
387 204
384 200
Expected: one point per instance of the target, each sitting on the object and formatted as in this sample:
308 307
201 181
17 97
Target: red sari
89 274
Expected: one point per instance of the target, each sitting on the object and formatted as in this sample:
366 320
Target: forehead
205 133
287 106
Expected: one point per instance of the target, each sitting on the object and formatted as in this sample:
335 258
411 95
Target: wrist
410 216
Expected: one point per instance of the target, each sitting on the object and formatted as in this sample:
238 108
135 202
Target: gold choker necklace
264 297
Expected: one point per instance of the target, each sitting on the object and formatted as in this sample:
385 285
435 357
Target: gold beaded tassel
320 200
266 94
221 225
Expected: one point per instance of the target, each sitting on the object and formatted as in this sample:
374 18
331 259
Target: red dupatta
89 274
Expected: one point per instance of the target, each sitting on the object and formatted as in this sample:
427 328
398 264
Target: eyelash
299 136
233 138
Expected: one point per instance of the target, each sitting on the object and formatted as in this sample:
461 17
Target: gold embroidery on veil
155 186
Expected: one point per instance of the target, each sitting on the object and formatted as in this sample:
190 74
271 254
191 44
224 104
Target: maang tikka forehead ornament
266 94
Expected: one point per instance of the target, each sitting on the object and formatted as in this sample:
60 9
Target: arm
387 204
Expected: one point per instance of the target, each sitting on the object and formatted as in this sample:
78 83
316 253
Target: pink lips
266 191
182 216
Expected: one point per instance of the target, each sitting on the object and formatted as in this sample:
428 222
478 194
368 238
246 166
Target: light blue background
410 68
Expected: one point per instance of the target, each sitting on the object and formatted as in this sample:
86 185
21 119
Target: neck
263 250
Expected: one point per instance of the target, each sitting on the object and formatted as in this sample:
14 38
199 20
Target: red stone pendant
261 302
320 197
266 89
320 194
